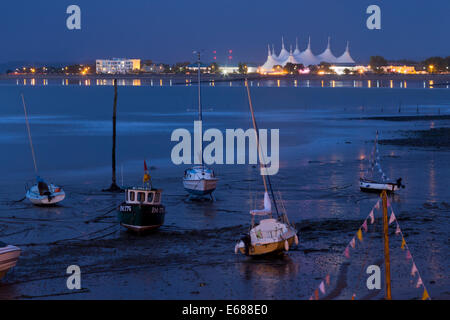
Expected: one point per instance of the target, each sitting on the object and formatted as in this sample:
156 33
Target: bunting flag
347 252
352 243
359 234
403 244
425 295
398 231
419 282
364 225
408 255
353 296
327 279
372 218
392 218
316 294
322 287
377 206
413 270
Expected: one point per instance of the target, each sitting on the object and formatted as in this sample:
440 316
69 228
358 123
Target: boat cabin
143 196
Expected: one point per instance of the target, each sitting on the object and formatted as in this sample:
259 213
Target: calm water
322 153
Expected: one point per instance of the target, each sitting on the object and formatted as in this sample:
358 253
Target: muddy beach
324 148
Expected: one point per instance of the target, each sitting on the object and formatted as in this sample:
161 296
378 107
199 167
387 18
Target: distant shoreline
437 78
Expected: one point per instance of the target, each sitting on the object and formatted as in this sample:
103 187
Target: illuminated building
117 65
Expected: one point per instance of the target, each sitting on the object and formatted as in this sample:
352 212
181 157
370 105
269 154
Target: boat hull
200 187
9 256
43 200
141 218
377 187
269 248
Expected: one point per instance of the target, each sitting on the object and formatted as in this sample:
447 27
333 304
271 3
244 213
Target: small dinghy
8 258
200 180
43 194
142 209
271 235
375 179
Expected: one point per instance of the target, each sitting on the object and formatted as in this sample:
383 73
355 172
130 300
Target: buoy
296 240
286 245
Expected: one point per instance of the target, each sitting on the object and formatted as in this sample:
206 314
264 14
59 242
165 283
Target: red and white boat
8 258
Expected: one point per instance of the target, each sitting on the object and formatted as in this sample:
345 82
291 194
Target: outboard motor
247 242
399 183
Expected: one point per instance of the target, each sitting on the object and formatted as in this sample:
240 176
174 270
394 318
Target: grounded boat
200 180
375 179
142 209
271 235
8 258
42 193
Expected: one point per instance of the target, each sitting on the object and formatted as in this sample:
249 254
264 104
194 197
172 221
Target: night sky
168 31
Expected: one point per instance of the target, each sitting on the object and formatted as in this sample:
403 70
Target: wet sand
323 154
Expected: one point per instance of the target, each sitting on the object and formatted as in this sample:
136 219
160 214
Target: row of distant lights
137 82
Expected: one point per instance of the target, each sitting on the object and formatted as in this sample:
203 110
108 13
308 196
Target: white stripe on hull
366 185
200 186
8 257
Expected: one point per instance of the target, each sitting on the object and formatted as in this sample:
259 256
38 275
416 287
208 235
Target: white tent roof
306 57
296 51
284 54
291 58
270 62
327 55
345 57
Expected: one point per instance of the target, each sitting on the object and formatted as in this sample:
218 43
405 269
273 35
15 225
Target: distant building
399 69
117 65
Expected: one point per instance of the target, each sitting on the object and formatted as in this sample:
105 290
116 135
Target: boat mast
29 135
265 177
200 106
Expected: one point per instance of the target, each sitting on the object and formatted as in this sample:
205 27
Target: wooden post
387 263
114 186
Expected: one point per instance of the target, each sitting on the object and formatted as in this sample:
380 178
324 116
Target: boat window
132 195
150 197
141 197
157 197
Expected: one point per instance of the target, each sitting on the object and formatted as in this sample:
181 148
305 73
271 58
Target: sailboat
9 255
142 209
375 179
42 193
200 180
269 235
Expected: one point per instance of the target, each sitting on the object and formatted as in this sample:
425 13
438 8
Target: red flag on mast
145 166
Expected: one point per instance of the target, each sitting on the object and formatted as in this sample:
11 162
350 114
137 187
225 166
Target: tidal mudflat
326 135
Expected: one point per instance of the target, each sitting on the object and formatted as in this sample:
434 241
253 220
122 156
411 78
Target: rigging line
260 152
29 134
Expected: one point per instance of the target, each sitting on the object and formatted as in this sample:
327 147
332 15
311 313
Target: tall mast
387 263
29 135
200 106
266 179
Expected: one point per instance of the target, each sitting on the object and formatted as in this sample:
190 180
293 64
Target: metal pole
387 262
200 105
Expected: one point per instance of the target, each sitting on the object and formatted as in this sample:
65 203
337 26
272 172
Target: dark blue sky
169 30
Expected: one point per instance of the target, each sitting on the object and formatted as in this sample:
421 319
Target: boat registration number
125 208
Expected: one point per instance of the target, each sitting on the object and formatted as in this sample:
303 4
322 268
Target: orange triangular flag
359 234
316 294
425 295
403 243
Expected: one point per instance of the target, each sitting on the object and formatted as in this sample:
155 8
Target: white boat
373 186
271 235
44 194
8 258
200 180
375 179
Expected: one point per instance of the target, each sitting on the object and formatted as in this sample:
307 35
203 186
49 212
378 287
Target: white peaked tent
346 57
270 62
291 58
296 51
284 54
307 58
327 55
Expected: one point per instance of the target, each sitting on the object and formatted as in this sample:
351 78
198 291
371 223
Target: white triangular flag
392 218
413 270
419 282
322 287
